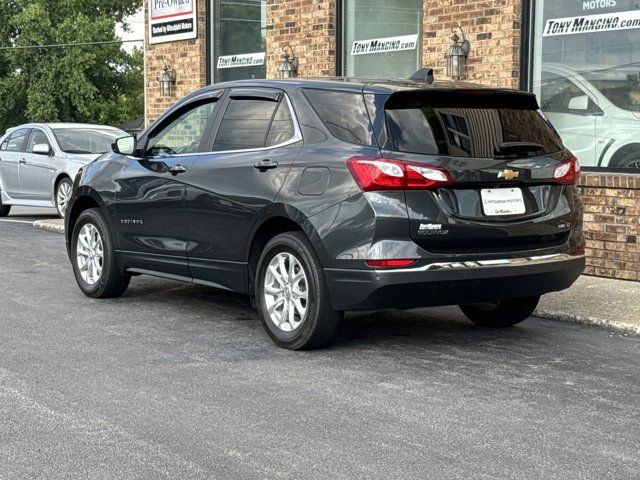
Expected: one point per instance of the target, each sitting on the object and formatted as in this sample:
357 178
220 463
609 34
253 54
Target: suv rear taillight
567 172
373 173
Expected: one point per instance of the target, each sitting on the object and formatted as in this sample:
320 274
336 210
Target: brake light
567 172
390 263
372 174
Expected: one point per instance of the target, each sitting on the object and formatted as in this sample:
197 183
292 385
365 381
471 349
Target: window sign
242 60
171 20
239 39
383 45
382 38
586 75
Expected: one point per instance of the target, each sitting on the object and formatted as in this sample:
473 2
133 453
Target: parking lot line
30 222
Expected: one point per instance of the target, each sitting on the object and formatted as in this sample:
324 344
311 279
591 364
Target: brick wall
612 224
309 27
187 57
492 27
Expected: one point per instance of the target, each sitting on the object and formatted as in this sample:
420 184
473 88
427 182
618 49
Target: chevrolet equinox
314 197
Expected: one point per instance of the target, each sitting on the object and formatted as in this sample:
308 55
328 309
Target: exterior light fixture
456 55
167 81
289 66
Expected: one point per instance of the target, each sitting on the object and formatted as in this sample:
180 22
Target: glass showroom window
382 38
586 74
239 39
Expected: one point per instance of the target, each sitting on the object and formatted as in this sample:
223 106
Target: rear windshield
452 125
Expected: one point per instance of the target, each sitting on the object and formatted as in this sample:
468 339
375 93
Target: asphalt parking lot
180 381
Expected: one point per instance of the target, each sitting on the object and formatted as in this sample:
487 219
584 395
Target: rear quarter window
343 113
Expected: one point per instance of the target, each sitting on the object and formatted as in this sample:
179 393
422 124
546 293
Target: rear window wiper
510 148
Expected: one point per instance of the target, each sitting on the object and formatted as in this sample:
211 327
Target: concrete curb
620 327
56 226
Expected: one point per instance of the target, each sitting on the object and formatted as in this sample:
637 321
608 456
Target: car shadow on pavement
441 326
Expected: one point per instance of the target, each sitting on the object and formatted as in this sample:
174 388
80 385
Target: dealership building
580 57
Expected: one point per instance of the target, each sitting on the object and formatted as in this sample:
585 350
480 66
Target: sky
136 24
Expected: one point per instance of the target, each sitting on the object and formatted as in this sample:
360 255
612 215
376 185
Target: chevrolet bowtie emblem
508 174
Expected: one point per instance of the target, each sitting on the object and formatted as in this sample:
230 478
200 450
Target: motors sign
171 20
384 45
605 22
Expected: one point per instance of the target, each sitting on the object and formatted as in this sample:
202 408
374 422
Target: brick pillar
187 57
309 27
492 27
612 224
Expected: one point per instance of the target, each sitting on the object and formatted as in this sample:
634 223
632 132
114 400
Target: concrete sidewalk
605 302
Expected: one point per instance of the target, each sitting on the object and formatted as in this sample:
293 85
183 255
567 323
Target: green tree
96 84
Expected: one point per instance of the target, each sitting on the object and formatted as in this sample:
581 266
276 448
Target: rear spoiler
462 98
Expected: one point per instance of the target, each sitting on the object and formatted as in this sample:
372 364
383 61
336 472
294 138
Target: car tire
93 257
501 313
63 195
4 209
629 161
291 294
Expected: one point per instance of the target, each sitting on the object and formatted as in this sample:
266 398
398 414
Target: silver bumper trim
511 262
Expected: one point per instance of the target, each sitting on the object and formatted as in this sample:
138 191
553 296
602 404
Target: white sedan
39 161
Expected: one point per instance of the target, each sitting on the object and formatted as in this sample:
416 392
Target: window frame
527 42
297 132
215 97
340 55
31 134
23 145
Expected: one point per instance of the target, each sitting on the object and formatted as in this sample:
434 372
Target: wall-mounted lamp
456 55
167 81
289 66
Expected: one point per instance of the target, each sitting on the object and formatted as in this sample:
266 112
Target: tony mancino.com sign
605 22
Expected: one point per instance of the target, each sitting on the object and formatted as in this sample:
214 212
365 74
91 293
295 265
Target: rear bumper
451 283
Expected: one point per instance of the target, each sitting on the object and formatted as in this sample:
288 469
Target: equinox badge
508 174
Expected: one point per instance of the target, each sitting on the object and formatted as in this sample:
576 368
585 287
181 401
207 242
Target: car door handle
177 170
23 161
264 165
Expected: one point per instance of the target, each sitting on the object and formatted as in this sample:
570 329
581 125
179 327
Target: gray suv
318 196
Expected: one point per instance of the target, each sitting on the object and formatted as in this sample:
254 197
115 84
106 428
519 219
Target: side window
37 137
183 134
409 131
16 140
3 145
281 127
245 124
560 95
344 114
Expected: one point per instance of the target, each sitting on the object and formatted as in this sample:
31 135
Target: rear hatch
510 180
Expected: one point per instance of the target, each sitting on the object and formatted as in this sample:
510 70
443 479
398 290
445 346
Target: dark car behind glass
315 197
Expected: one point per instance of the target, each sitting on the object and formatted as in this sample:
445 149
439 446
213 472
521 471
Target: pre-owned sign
171 20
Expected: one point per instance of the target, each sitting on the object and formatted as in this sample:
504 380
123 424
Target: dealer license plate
502 201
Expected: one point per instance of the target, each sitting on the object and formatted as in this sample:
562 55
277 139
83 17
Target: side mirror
124 145
579 103
41 149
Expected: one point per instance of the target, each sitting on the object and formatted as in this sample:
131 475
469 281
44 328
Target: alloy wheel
63 195
90 254
286 291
